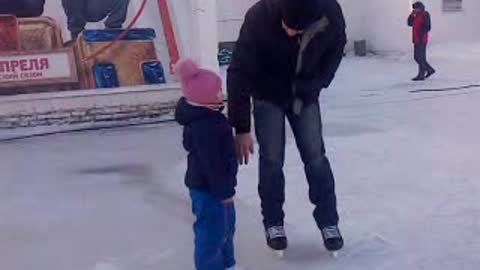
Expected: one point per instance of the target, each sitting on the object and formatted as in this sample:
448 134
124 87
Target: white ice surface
407 182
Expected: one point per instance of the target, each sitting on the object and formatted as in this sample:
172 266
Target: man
79 12
287 52
420 22
22 8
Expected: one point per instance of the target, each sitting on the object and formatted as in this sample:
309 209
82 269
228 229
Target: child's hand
228 201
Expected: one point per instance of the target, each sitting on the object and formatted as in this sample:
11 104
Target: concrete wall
387 30
230 17
196 29
354 12
456 26
87 107
384 23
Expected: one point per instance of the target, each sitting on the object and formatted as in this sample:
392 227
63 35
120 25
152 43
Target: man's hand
244 147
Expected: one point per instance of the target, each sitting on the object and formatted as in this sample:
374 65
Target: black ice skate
332 239
277 239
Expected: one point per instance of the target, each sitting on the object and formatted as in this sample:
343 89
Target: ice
407 179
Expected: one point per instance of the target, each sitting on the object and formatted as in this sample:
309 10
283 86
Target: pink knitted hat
199 85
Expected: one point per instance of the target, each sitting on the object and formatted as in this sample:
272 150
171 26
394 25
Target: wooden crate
127 55
40 33
9 37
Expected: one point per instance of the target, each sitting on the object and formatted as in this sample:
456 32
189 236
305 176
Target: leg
76 20
118 14
30 8
415 54
418 55
423 57
7 7
22 8
429 68
307 128
209 229
228 248
97 10
270 132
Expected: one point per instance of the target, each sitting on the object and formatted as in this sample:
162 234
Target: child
212 165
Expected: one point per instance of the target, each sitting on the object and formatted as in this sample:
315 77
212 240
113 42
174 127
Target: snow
406 166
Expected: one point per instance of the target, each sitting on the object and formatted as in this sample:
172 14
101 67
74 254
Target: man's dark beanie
299 14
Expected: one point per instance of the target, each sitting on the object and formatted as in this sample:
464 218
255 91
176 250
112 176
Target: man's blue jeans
307 129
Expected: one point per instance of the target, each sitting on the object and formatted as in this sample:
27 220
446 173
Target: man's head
297 15
418 6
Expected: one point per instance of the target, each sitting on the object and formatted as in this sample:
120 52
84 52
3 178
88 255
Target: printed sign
37 68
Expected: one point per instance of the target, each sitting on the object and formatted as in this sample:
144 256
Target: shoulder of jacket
262 11
335 14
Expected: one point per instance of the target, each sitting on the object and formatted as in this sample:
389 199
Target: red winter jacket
421 23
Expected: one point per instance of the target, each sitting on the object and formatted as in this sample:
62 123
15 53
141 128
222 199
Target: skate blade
334 254
279 253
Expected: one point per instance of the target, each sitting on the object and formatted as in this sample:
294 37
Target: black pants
307 130
420 55
22 8
79 12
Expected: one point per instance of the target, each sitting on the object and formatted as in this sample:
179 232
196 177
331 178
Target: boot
276 238
430 72
332 238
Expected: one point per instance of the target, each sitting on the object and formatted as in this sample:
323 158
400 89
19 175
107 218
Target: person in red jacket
420 22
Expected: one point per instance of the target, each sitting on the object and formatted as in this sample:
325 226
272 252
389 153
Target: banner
38 68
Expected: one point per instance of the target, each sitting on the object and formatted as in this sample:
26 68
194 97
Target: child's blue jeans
214 229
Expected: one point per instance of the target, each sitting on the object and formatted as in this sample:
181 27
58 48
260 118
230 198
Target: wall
87 108
195 29
354 12
387 30
456 26
230 17
385 25
181 14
